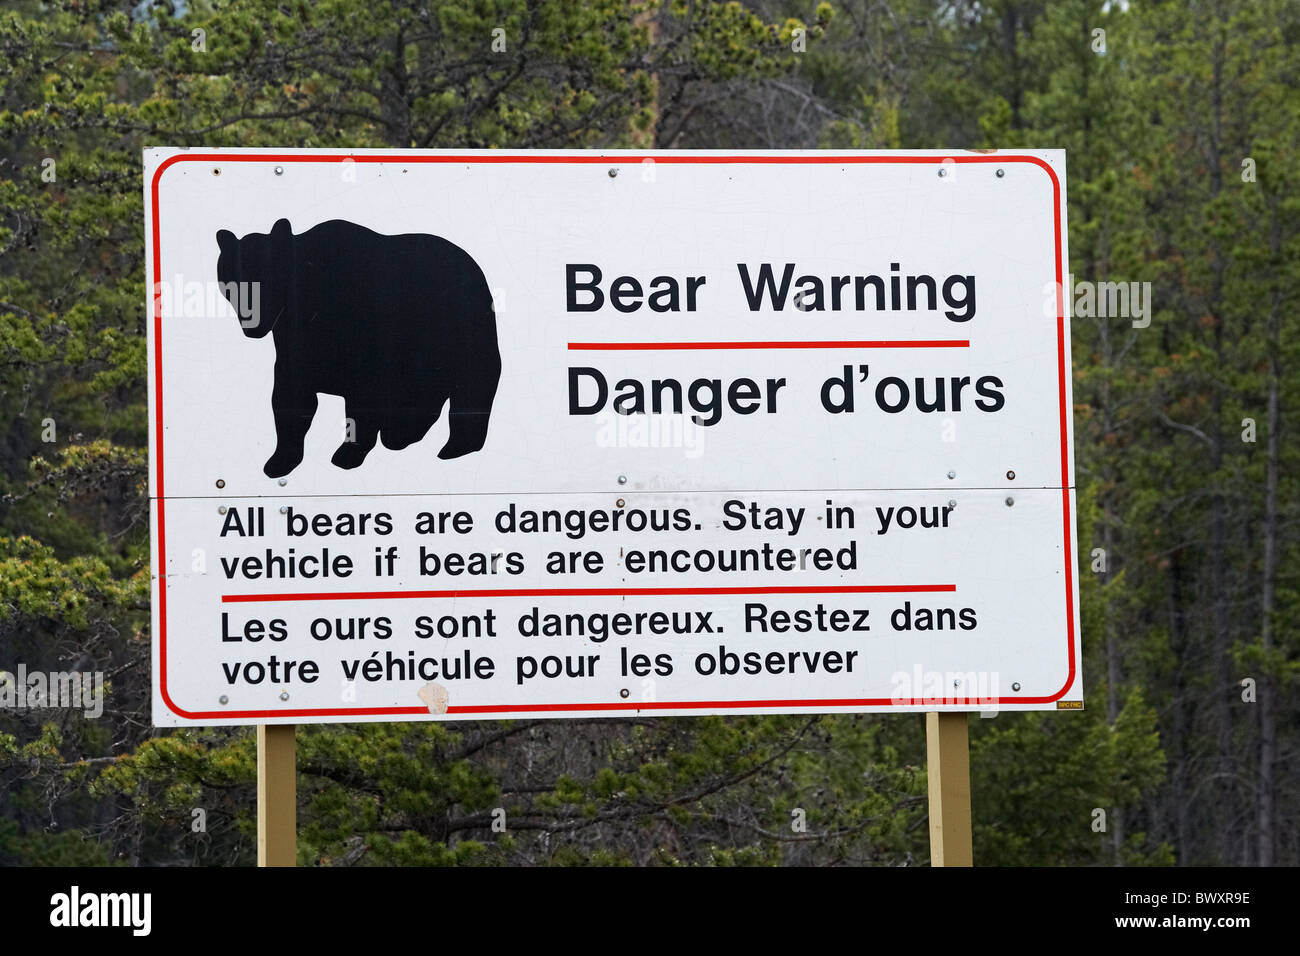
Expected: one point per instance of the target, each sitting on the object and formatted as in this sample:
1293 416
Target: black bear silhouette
396 325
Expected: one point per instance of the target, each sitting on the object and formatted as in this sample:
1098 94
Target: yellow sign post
948 759
277 795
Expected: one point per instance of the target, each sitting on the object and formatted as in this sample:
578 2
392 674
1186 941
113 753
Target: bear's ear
282 230
226 240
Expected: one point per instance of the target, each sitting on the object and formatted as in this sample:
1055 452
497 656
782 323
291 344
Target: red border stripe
704 158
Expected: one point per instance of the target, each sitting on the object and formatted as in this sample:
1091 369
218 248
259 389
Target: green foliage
1156 129
1040 779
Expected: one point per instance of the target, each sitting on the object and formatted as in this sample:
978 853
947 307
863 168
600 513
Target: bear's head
254 274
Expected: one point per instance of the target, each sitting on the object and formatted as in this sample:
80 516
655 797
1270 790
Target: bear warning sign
481 435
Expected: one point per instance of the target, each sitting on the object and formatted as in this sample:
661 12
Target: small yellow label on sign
1069 705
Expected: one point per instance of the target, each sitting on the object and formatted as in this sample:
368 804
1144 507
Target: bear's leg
293 414
405 428
352 453
467 417
402 436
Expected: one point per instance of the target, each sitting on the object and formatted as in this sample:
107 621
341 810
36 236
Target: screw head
1001 173
624 692
223 699
1011 476
613 173
284 510
622 479
942 172
956 683
284 695
279 170
221 509
1016 685
952 474
216 172
283 482
620 503
952 502
1010 502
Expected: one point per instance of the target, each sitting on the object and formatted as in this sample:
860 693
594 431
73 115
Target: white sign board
490 435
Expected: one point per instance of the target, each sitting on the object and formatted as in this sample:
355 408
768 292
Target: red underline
860 344
719 704
584 592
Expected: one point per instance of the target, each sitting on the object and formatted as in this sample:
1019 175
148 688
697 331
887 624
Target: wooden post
948 757
277 795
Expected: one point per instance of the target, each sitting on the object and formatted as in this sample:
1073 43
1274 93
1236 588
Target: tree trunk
1264 785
